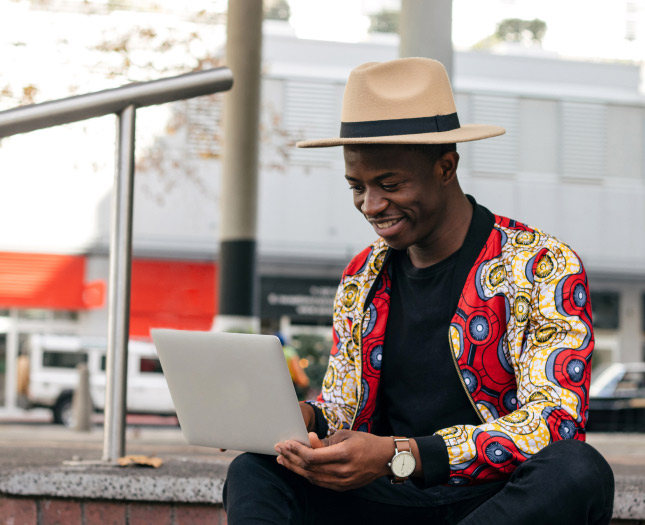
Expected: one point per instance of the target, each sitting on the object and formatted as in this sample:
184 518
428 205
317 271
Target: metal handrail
124 102
140 94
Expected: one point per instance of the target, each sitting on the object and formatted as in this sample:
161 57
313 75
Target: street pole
426 30
239 188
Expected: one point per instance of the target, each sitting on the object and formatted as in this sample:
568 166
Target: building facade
572 163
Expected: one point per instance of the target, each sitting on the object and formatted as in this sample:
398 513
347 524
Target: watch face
403 464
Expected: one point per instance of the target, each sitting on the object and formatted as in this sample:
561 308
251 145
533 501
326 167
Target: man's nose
373 203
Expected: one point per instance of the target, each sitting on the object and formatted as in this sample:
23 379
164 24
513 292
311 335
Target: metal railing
122 101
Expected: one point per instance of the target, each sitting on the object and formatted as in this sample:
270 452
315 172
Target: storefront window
65 315
33 314
605 306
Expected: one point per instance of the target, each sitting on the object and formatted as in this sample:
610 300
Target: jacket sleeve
548 342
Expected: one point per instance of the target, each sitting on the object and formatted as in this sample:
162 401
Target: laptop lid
230 391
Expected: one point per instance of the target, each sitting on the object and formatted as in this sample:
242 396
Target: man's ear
448 166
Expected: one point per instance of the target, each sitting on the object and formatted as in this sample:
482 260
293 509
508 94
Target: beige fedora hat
402 101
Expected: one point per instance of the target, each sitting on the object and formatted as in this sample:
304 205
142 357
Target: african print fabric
521 338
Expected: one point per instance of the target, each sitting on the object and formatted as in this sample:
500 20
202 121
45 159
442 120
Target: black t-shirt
420 390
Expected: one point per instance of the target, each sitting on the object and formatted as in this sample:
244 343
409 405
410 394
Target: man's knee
258 488
253 469
579 468
245 465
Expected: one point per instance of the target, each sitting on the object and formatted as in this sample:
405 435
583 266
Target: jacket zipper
461 379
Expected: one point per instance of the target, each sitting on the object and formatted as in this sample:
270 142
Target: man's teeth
387 224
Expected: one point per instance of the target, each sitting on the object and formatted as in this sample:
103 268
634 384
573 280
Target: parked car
617 399
53 376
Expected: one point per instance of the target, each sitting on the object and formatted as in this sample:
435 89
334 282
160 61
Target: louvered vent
311 112
497 155
584 140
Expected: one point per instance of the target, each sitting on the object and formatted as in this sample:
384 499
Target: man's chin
396 244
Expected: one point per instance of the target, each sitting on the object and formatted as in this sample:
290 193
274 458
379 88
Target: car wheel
63 412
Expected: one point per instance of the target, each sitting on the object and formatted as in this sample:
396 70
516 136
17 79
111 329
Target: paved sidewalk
44 444
37 444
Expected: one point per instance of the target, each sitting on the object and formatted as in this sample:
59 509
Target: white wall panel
539 136
584 140
624 140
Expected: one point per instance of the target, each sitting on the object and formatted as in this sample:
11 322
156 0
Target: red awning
164 294
171 294
42 280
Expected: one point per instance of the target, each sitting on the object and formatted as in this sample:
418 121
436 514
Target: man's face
399 191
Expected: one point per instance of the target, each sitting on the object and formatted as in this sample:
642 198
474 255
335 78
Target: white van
53 375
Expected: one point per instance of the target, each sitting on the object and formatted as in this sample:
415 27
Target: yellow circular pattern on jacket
496 275
526 239
330 377
522 307
350 294
545 333
538 397
545 267
376 263
356 332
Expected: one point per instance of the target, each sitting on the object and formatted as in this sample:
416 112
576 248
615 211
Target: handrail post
119 289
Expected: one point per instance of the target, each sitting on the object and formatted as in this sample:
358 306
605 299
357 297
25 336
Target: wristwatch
402 463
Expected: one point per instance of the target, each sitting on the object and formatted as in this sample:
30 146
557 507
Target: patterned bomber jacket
521 337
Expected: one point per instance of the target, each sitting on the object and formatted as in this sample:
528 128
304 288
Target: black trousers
568 482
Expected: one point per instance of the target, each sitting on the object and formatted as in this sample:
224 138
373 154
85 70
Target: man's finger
315 441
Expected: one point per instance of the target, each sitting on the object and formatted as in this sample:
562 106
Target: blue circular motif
496 453
479 328
510 400
470 380
576 370
376 357
567 429
579 295
363 427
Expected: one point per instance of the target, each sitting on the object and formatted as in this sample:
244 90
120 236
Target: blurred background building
572 162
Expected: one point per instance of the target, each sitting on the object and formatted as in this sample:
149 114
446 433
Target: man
462 345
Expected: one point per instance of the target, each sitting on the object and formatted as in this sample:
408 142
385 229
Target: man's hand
308 415
344 461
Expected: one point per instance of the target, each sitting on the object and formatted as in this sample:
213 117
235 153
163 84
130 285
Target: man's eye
356 189
389 187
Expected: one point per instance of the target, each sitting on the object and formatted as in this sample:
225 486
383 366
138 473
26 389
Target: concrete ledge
195 481
629 502
178 481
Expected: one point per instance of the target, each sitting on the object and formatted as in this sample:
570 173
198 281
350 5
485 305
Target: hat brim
465 133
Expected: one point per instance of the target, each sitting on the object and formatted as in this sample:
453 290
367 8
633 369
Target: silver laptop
230 391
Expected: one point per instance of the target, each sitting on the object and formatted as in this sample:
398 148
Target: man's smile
386 226
385 223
